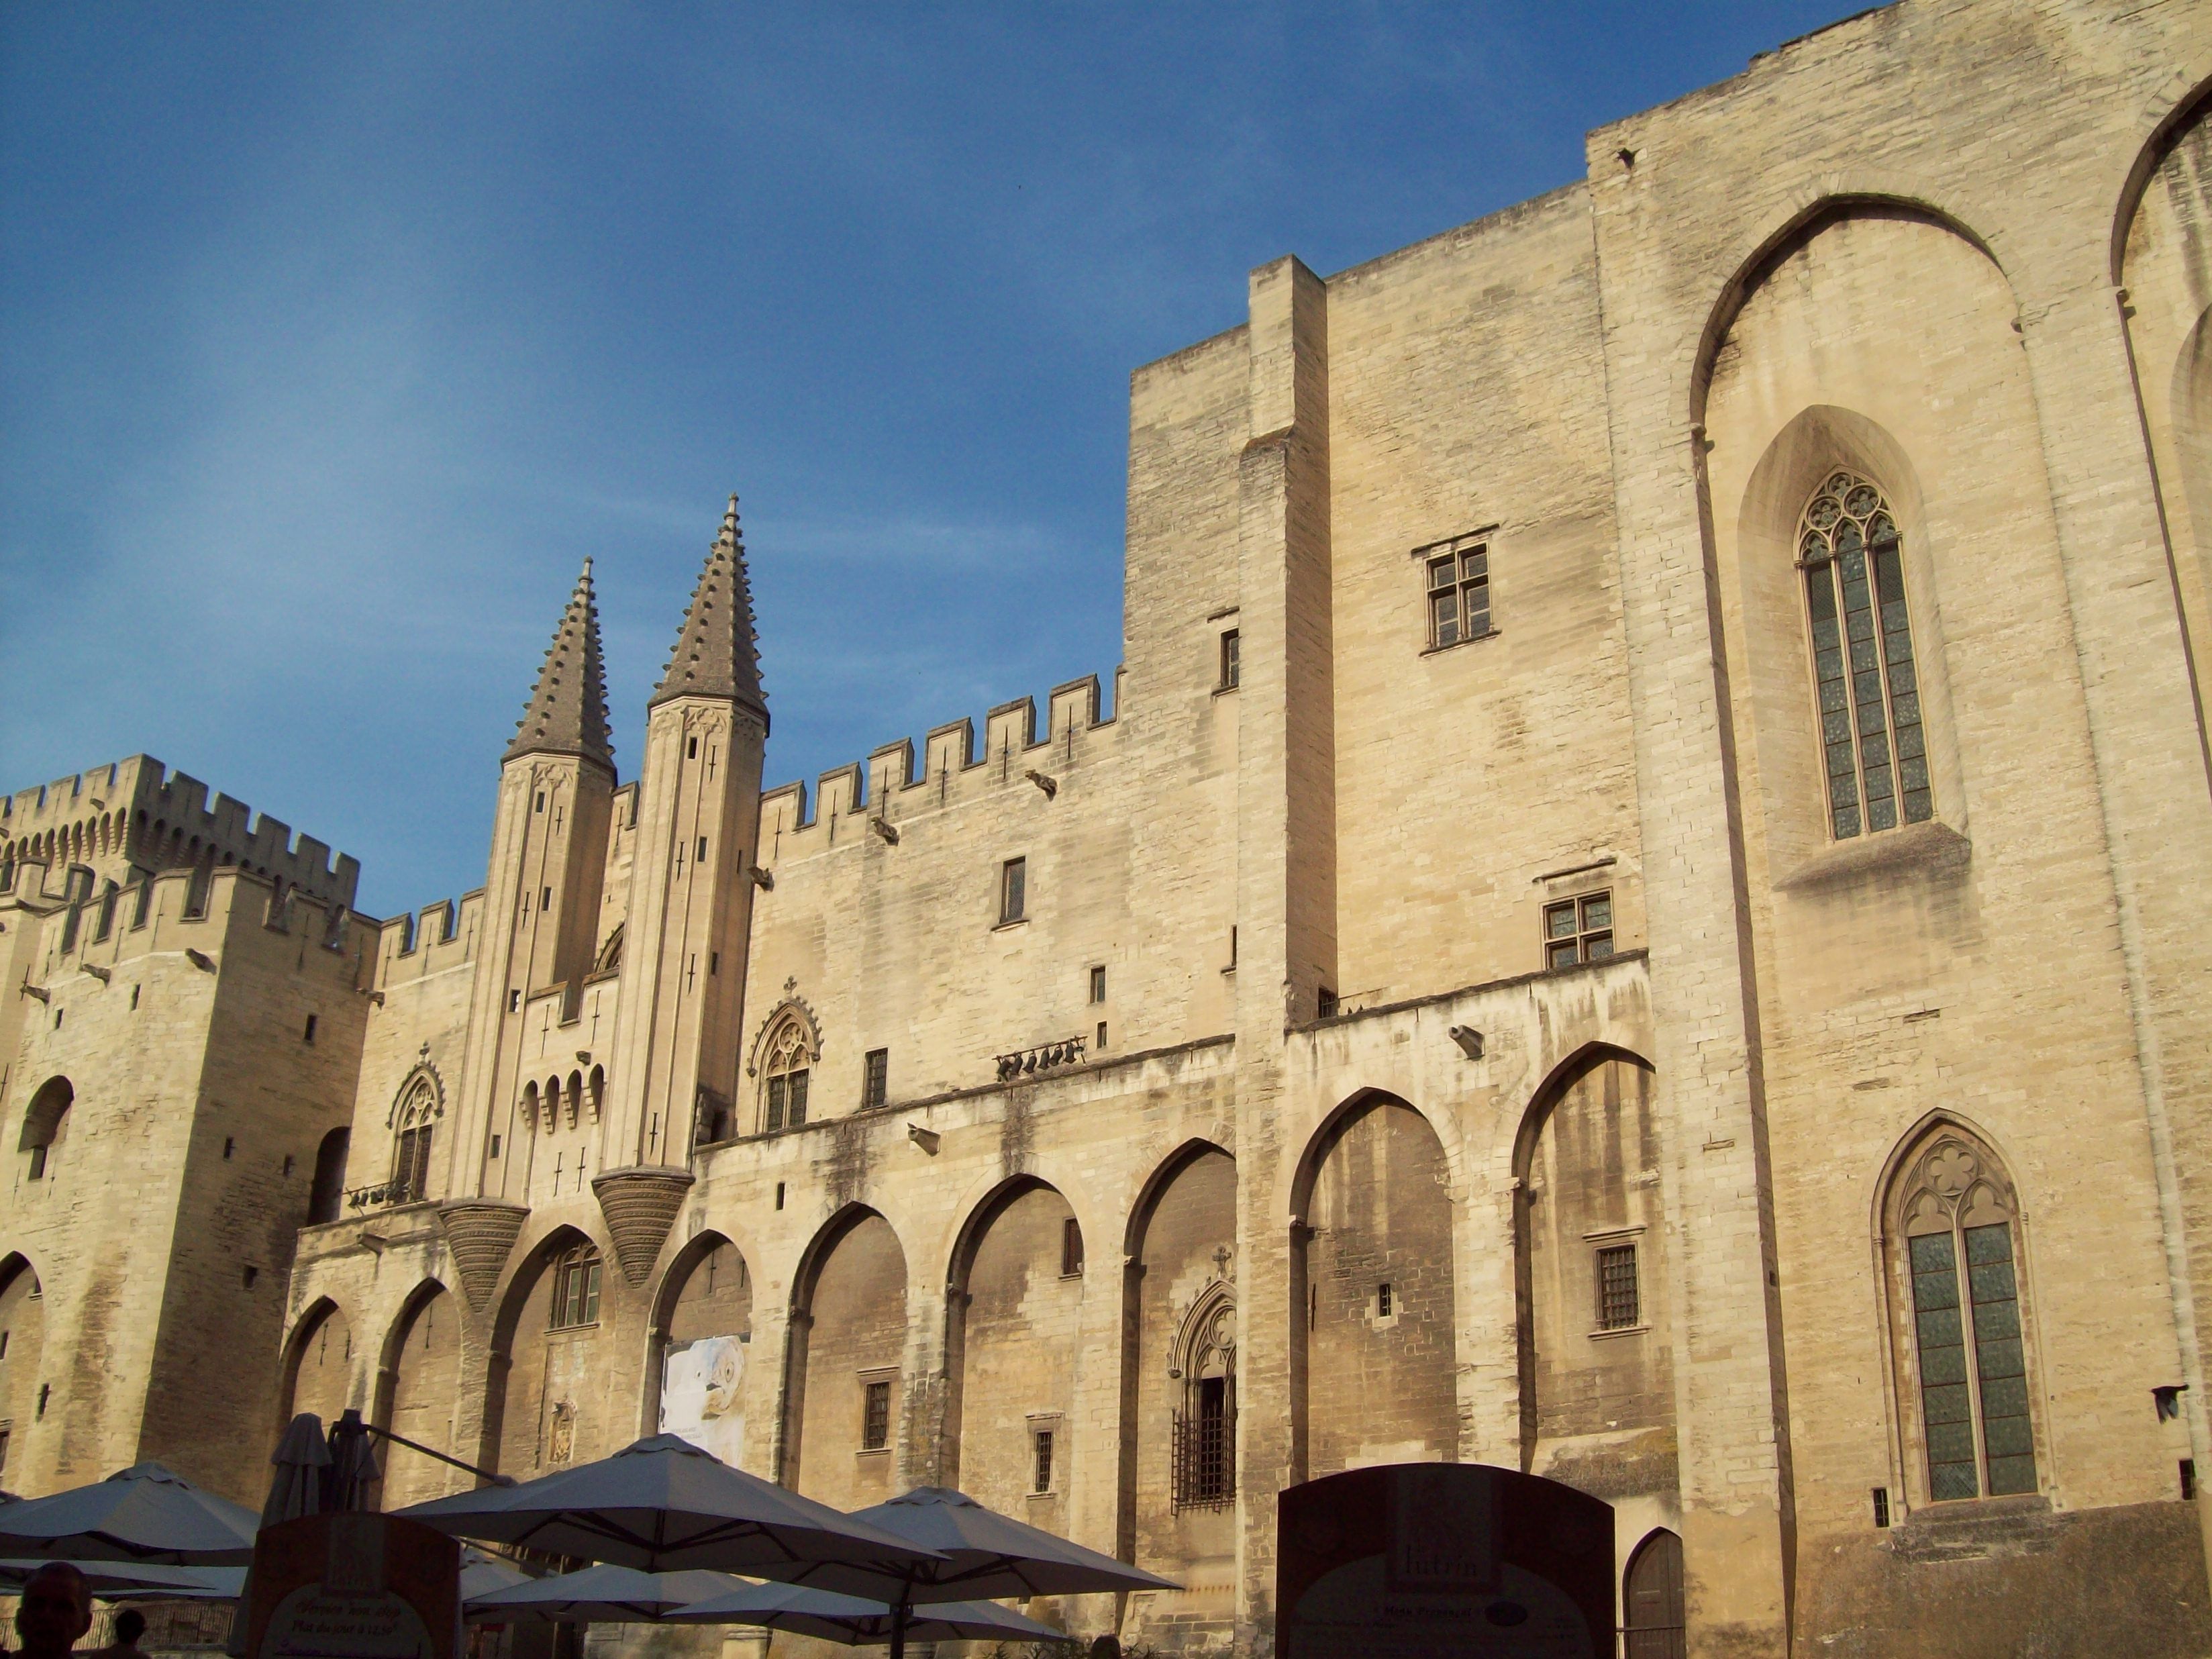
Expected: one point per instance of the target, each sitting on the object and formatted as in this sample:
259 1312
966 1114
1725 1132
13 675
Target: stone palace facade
1628 914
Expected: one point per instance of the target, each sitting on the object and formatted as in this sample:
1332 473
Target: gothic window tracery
414 1123
1205 1437
783 1095
1955 1249
1866 682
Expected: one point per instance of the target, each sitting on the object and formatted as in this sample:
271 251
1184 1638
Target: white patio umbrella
855 1620
972 1553
604 1595
144 1513
664 1505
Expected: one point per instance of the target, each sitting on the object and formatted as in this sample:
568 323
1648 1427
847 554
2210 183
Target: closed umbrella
854 1619
300 1459
601 1595
351 1482
971 1552
664 1505
144 1513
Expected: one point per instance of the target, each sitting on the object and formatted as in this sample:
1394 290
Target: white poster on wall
700 1397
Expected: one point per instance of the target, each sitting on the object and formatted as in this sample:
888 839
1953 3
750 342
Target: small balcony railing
386 1195
1046 1057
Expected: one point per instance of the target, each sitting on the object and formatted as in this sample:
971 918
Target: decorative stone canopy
480 1232
641 1205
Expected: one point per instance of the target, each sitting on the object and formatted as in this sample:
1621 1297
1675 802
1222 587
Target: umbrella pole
898 1623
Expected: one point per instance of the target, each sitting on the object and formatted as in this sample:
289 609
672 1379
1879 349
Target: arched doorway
22 1347
1373 1315
1178 1477
703 1344
1651 1599
1597 1396
422 1366
849 1339
1016 1296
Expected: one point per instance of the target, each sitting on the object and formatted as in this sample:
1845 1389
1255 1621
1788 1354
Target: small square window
1098 985
1618 1306
1044 1482
1578 930
1232 662
1384 1305
875 1077
1013 891
875 1418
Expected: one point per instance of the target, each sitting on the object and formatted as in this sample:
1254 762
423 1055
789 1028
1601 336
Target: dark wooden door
1655 1600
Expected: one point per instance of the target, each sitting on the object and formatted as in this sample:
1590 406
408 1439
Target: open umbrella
854 1619
602 1595
483 1573
971 1552
121 1581
664 1505
144 1513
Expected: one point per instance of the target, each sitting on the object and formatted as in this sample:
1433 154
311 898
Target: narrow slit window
1098 985
1232 661
1013 891
1043 1479
1866 682
875 1078
1071 1247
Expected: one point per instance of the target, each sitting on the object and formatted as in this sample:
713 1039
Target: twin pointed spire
717 653
567 711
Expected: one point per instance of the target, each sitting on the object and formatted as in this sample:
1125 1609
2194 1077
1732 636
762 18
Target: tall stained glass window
1862 665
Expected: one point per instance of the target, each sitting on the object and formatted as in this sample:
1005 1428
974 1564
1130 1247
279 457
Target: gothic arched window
783 1103
1205 1439
1869 691
411 1147
1954 1242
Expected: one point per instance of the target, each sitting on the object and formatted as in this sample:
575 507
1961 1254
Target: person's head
129 1625
54 1611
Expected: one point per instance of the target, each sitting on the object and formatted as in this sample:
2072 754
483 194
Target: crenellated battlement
134 815
948 769
203 910
440 935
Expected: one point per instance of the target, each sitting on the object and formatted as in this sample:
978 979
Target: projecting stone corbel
641 1205
480 1232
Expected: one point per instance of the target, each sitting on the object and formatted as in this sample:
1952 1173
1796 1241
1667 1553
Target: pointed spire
567 712
717 653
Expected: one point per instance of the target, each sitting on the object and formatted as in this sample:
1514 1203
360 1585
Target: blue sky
334 337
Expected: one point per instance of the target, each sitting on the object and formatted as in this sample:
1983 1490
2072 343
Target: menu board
346 1585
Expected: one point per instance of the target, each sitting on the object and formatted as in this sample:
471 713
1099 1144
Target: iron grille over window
876 1416
576 1289
1863 667
875 1080
1619 1307
1204 1449
1043 1461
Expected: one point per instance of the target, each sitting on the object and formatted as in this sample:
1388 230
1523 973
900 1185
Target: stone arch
2179 105
532 1366
23 1353
1589 1250
1373 1304
326 1193
418 1387
45 1126
698 1346
1181 1251
1829 202
1014 1292
845 1382
317 1364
